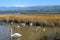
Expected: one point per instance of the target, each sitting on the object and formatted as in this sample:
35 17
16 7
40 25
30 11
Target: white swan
31 24
44 29
17 26
23 24
15 35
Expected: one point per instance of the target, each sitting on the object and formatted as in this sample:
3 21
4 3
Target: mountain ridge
38 9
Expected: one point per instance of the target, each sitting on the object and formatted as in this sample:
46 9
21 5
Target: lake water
10 12
4 31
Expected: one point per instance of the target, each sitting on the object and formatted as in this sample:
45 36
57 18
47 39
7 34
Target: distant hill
39 9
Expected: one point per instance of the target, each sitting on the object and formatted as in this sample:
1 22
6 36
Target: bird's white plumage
44 29
18 26
16 35
31 24
23 24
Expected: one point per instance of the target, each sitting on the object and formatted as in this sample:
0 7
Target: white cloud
19 5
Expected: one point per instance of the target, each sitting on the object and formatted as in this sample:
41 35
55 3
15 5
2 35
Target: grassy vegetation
29 32
33 17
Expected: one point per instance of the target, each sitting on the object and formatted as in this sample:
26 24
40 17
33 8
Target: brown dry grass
34 17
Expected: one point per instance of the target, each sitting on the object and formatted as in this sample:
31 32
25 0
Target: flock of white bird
17 35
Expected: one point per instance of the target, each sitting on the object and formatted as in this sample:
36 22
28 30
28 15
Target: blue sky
26 3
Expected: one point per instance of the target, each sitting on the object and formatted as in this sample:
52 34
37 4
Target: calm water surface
4 31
